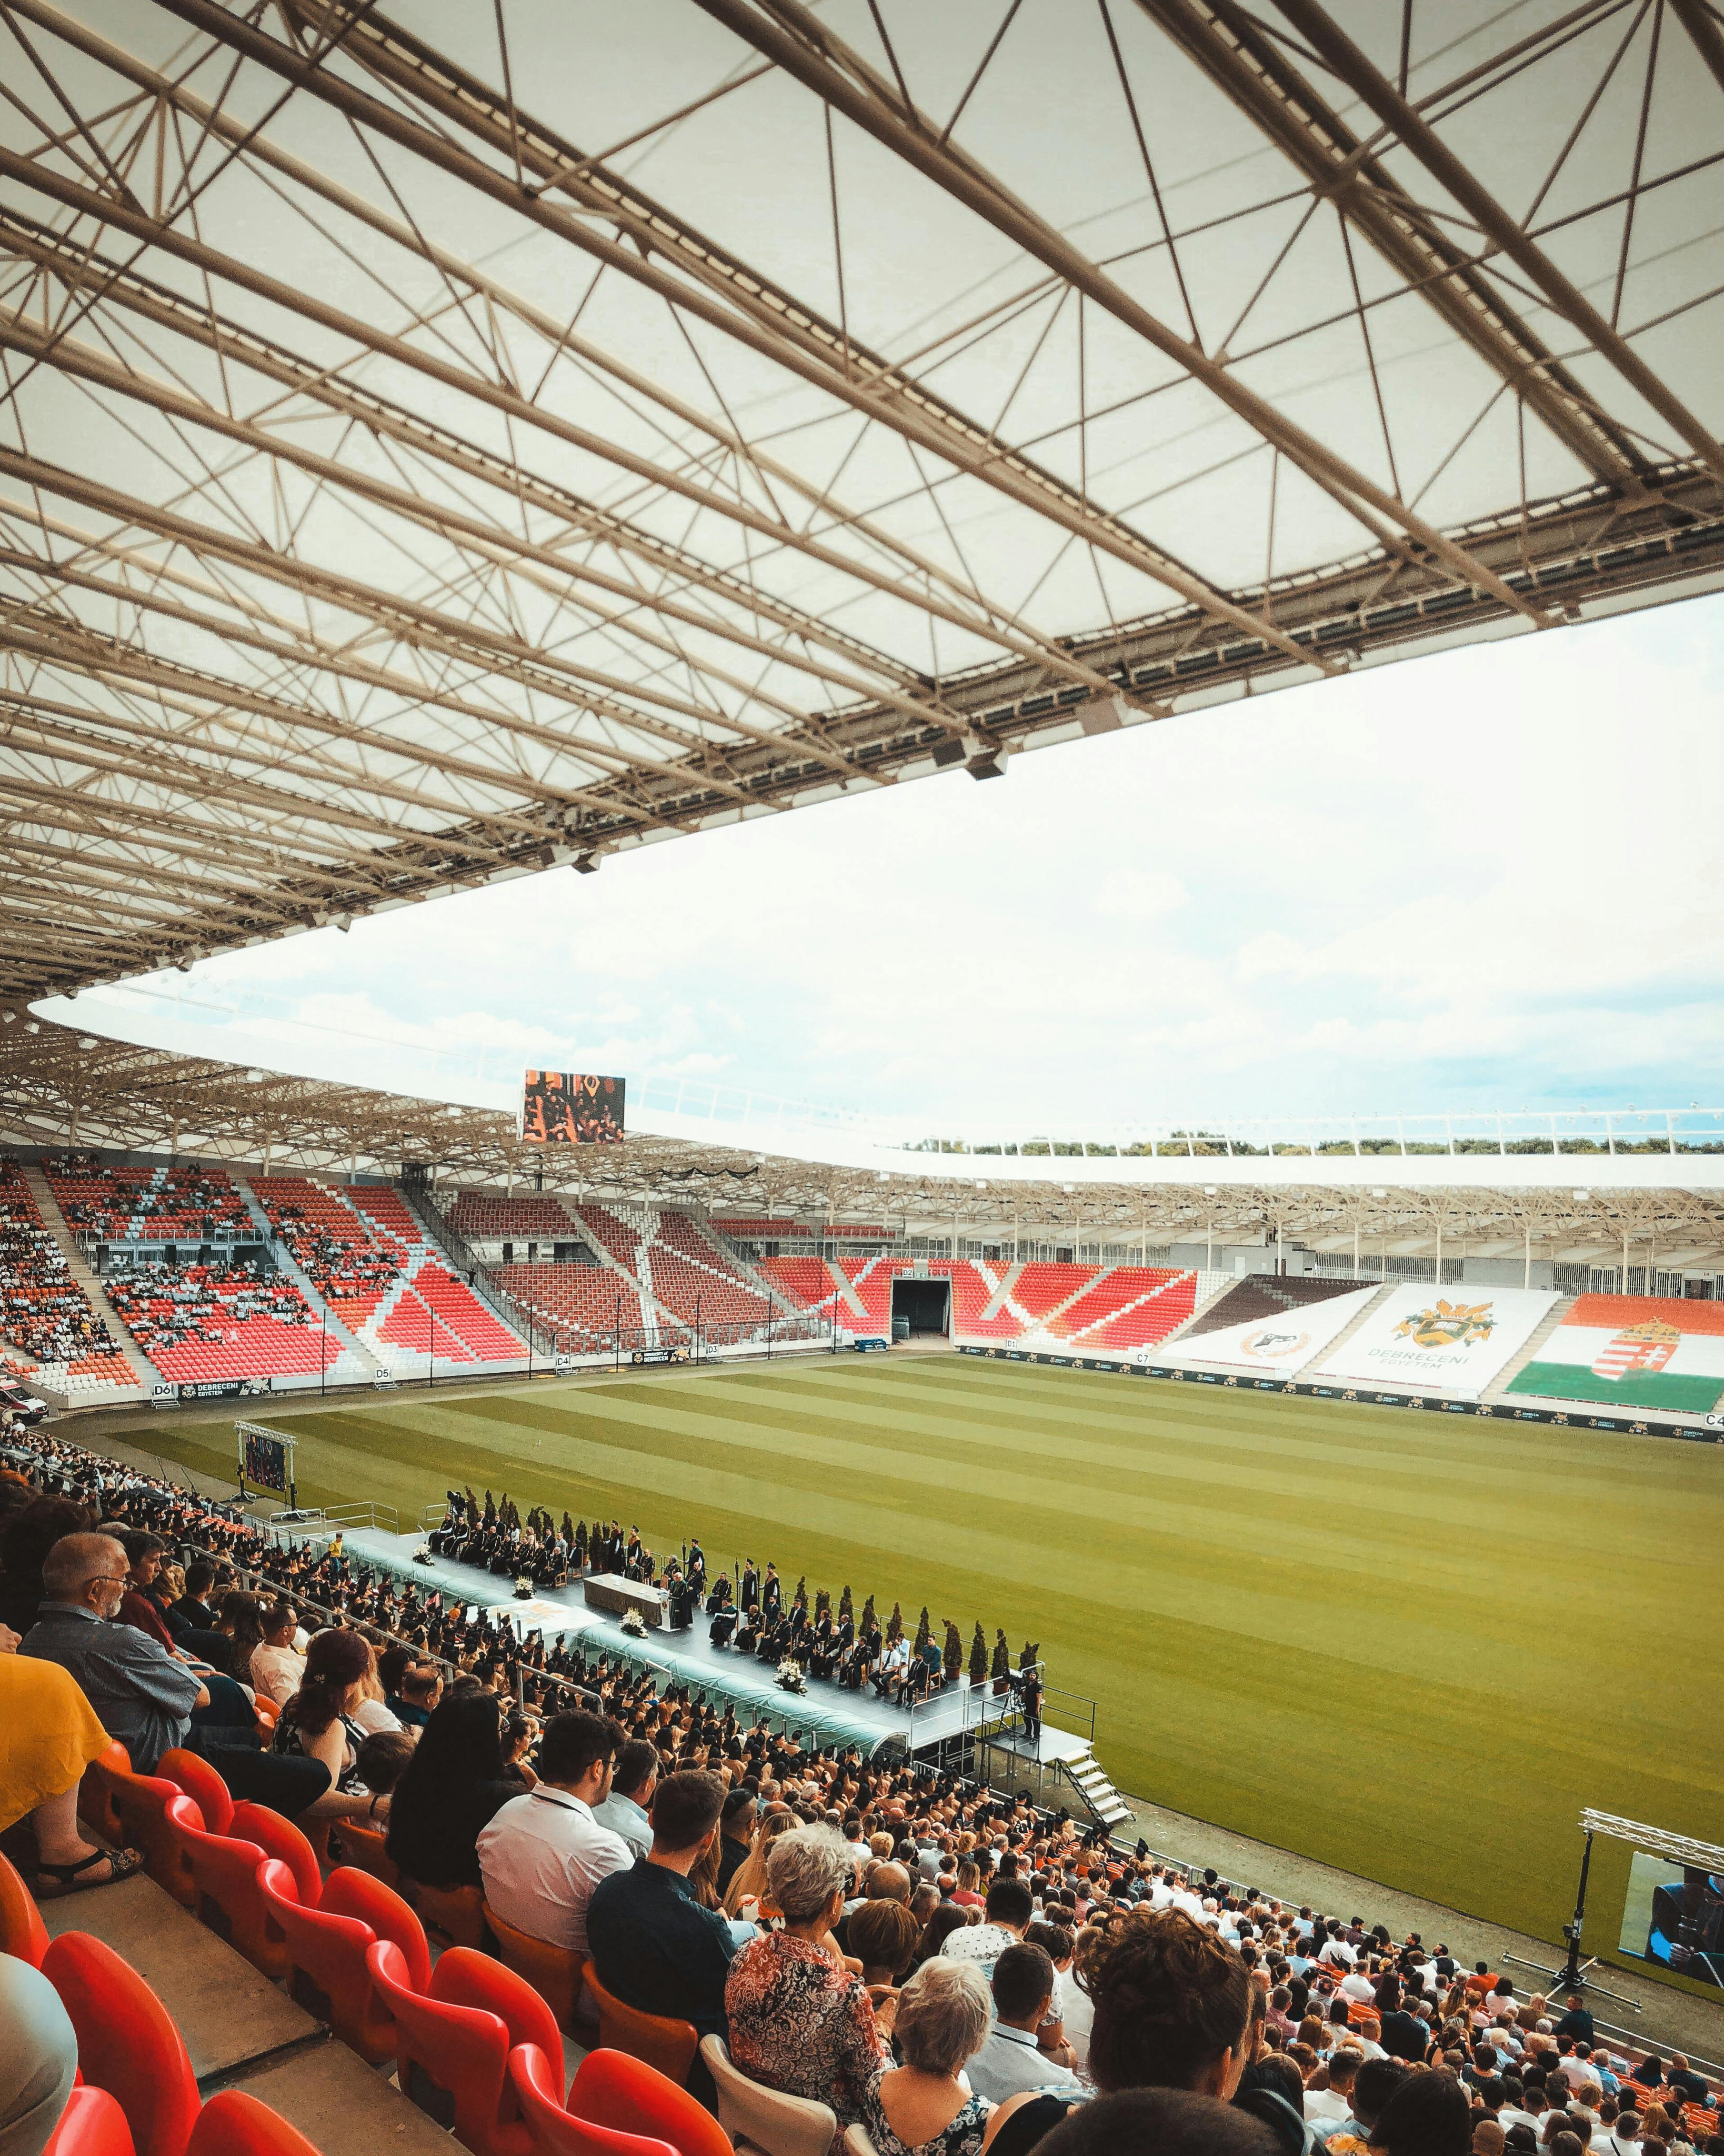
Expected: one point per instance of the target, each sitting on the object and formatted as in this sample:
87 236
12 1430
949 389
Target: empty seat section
1040 1288
871 1278
486 1216
689 1275
805 1281
587 1302
972 1291
455 1304
1113 1292
1151 1319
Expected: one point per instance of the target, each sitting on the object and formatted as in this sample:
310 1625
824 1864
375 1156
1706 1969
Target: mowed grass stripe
1409 1645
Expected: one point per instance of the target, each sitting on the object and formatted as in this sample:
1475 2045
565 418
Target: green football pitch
1412 1645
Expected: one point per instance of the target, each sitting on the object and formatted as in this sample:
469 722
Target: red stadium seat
92 2124
224 1871
235 2124
453 2043
95 1792
667 2045
326 1949
280 1838
22 1930
127 2043
558 2132
628 2096
202 1783
141 1801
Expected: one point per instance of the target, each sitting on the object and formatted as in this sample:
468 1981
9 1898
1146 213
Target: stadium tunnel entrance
920 1307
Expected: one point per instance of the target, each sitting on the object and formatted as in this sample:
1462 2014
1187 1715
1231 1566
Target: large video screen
568 1107
1673 1916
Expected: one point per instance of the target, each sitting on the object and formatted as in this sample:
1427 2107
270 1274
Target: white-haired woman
799 2021
922 2108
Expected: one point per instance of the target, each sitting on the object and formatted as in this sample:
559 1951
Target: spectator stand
386 1283
53 1330
49 1454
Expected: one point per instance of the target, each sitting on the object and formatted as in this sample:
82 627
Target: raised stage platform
824 1715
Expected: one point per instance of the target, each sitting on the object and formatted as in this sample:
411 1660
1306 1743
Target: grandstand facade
284 1234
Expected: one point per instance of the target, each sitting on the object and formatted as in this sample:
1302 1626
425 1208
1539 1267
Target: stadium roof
59 1087
442 444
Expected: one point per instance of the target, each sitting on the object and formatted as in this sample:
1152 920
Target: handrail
478 1278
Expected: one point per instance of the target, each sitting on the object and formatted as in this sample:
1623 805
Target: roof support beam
1354 67
405 619
752 311
89 272
1256 72
598 689
791 34
1703 28
559 335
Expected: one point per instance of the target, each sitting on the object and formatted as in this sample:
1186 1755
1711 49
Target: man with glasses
143 1695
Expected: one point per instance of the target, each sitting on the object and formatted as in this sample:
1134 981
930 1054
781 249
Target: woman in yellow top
49 1735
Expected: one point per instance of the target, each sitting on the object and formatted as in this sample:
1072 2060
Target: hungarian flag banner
1633 1352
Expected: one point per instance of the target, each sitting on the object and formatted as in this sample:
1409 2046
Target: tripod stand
1573 1974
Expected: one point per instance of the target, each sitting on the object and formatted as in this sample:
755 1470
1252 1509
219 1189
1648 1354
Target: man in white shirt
1024 1979
542 1854
1356 1984
1622 2139
1007 1918
624 1810
1337 2101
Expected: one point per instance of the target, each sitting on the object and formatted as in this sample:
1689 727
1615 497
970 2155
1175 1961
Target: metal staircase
1103 1801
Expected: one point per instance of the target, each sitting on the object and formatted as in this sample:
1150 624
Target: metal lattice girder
1228 43
63 1086
345 563
792 36
783 329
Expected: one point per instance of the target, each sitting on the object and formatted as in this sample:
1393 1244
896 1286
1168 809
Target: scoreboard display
568 1107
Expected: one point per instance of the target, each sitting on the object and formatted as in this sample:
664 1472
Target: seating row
474 2042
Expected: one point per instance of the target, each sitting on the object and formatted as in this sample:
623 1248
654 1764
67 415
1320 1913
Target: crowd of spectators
113 1204
178 1306
760 1615
353 1266
46 1312
948 1966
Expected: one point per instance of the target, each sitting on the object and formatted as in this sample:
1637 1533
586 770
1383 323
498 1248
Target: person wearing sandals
52 1735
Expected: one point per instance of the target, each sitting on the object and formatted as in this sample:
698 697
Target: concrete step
229 2016
1540 1332
241 2031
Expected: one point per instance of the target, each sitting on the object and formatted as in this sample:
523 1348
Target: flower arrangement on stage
790 1676
524 1587
634 1624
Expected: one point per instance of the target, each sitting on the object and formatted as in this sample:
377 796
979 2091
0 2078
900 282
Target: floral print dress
802 2025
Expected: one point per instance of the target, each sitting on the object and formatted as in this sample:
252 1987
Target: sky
1488 878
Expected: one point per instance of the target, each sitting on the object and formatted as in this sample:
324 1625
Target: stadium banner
1366 1395
1635 1351
1453 1340
1285 1342
571 1107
